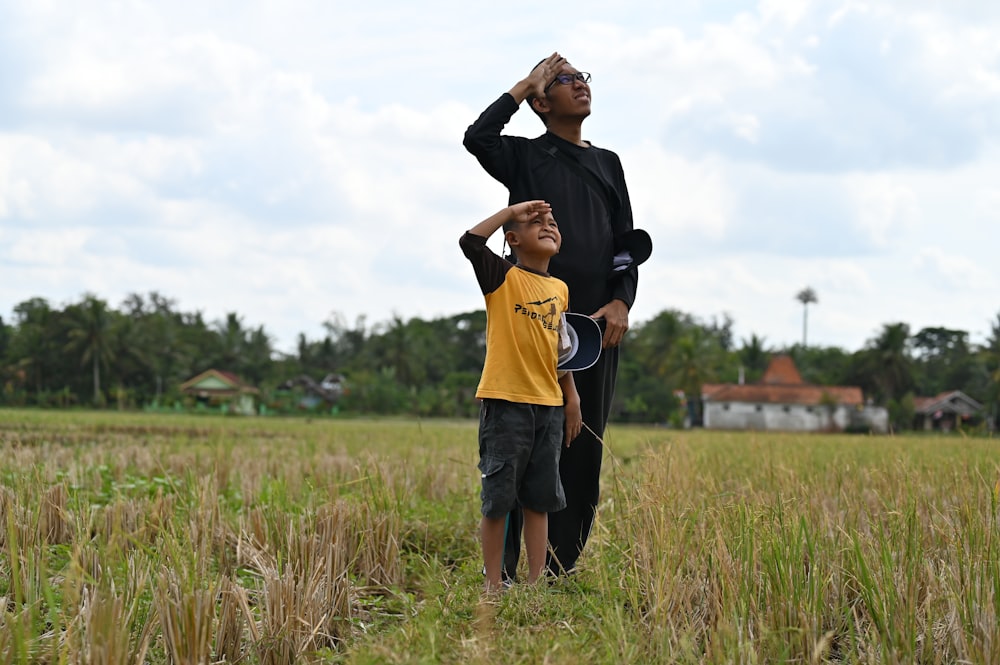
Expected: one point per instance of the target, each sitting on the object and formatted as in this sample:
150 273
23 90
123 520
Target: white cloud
45 252
787 12
955 271
887 208
673 197
289 160
744 125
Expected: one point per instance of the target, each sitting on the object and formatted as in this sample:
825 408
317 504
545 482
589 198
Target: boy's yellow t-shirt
523 312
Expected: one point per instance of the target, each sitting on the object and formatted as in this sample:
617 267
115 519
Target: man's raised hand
544 72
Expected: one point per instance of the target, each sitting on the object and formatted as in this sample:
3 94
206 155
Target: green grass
160 538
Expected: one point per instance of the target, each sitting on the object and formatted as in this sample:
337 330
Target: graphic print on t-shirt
536 311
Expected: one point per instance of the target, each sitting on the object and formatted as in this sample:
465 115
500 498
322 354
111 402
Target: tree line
87 353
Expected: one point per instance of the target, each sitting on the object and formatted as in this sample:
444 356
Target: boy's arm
519 212
571 404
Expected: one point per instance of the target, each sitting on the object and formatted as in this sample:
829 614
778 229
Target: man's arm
624 286
500 156
533 85
615 315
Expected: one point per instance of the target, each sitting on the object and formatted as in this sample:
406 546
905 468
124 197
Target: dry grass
129 539
262 541
825 550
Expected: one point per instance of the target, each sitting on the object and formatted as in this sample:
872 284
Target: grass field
171 539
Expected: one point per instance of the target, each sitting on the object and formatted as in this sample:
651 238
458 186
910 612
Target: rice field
128 538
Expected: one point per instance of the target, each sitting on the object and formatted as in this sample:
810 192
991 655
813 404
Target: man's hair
541 115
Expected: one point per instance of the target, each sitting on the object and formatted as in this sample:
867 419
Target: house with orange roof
781 400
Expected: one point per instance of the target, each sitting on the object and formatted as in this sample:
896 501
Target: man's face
568 93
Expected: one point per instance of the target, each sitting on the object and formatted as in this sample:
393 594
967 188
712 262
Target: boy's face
539 237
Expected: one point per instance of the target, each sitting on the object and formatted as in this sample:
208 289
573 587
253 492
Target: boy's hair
509 226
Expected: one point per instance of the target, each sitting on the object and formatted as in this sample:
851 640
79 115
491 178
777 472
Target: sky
301 161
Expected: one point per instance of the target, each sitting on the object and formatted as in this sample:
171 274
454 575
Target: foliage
90 333
137 356
885 366
666 361
943 359
753 358
825 366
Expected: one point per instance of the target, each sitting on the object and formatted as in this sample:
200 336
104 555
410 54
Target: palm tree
231 341
160 335
30 345
806 296
652 341
256 356
396 343
754 356
991 358
91 337
4 338
889 361
692 361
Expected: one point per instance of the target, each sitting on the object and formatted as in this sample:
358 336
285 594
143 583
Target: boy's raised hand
523 212
526 211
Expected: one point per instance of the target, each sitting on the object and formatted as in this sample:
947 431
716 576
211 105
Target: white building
782 401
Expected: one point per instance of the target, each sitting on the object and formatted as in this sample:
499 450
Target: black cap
631 249
584 338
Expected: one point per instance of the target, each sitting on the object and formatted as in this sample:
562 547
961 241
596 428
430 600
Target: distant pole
806 296
805 325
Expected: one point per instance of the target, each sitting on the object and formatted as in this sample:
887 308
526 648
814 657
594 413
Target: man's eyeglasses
566 79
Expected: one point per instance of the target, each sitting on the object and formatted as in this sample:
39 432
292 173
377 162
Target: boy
524 400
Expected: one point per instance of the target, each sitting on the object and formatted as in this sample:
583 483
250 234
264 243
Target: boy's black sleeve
490 269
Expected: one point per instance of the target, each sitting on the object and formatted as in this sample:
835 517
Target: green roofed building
216 388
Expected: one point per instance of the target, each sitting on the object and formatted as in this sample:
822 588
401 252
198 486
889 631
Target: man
586 187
